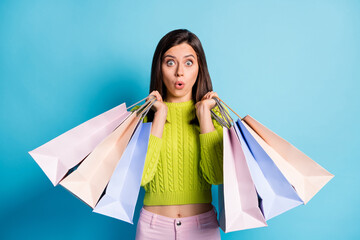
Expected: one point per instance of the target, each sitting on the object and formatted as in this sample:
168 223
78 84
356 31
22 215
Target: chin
180 93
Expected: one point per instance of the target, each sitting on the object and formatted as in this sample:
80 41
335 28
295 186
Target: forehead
180 50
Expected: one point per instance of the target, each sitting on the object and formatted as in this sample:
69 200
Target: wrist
161 114
203 113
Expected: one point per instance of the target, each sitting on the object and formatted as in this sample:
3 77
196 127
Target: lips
179 84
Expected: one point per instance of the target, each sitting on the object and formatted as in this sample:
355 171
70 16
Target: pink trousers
201 226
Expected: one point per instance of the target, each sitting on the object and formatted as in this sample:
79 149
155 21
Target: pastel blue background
293 65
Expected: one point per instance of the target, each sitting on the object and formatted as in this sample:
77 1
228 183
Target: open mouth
179 84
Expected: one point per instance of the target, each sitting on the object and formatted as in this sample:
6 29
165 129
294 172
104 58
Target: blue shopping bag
276 193
119 200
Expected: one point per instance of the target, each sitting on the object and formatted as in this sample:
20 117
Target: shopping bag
307 176
238 200
276 193
64 152
122 191
89 180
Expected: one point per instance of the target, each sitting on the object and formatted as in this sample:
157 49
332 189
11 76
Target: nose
179 71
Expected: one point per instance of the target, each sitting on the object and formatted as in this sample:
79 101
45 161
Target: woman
184 156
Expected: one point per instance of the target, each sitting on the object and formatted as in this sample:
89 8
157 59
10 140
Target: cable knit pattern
181 166
169 163
180 151
191 162
161 177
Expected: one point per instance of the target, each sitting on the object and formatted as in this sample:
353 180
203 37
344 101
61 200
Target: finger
213 102
151 96
214 94
211 94
155 94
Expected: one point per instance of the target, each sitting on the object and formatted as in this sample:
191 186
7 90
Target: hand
206 103
159 105
160 110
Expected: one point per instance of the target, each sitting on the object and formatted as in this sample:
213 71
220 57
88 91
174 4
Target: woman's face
179 69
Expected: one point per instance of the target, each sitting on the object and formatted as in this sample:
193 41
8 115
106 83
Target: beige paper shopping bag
89 180
306 176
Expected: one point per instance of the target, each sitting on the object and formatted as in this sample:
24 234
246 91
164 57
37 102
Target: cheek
166 75
166 82
193 74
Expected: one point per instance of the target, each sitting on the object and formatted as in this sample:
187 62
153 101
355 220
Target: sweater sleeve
211 152
152 156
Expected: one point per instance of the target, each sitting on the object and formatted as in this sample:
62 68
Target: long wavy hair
203 81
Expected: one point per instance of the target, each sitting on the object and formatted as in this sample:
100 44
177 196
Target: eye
189 63
170 63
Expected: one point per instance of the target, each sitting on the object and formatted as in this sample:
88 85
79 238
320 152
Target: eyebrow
190 55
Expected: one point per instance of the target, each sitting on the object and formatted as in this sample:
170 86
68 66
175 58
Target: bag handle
152 96
226 118
144 109
231 109
148 107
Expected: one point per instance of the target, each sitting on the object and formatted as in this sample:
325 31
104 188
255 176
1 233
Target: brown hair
203 81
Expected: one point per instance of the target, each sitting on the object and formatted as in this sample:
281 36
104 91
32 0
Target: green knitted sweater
181 166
